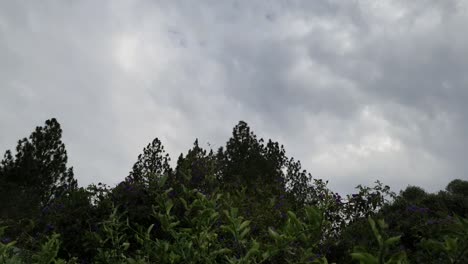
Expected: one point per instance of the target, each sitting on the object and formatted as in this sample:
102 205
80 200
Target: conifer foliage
36 174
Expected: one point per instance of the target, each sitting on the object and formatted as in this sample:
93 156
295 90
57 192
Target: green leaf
398 258
148 231
292 215
184 203
365 258
375 231
273 233
126 245
214 216
253 250
266 255
382 224
169 206
322 260
451 244
244 225
393 240
244 233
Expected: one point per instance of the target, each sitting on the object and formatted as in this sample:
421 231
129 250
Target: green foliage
419 216
8 253
36 174
298 240
453 248
207 233
247 203
382 256
458 187
152 162
113 244
47 254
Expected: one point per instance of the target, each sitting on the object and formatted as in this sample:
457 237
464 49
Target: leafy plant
453 248
383 256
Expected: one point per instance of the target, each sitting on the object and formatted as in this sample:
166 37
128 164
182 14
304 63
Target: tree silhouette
153 162
37 173
247 161
197 169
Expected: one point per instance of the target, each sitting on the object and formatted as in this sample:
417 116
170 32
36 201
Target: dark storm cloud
357 90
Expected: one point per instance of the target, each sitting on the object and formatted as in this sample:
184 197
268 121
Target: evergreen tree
247 161
197 170
298 183
37 174
153 162
135 194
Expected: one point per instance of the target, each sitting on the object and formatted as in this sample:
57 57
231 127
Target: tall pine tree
37 173
197 170
153 162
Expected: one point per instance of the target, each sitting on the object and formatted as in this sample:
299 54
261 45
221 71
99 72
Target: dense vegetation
245 203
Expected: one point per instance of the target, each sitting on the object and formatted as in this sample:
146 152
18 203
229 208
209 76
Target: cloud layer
357 90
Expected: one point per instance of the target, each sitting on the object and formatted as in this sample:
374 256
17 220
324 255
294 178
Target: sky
358 90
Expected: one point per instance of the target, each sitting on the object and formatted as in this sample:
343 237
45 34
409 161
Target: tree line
246 202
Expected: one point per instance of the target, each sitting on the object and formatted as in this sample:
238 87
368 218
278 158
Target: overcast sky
356 90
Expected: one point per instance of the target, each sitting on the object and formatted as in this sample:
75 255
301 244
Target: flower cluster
5 240
447 220
52 208
337 198
416 209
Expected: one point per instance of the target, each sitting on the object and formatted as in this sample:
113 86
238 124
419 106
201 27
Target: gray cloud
357 90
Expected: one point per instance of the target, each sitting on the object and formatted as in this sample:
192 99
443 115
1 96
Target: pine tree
37 173
153 162
247 161
135 193
197 170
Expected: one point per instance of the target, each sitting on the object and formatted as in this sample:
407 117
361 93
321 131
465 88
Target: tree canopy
37 173
246 202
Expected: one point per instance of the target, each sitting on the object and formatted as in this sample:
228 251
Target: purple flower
45 209
416 209
338 200
6 240
50 227
172 194
423 210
